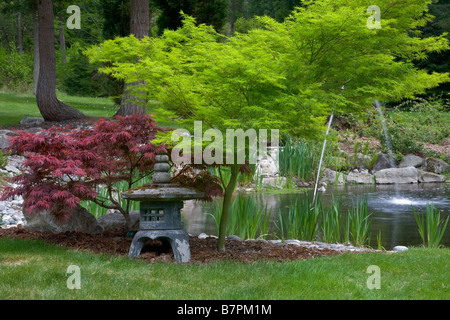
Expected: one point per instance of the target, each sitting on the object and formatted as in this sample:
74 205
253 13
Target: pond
389 205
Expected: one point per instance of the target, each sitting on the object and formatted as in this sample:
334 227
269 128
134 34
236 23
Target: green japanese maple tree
287 76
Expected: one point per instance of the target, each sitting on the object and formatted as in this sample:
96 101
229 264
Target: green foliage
248 219
273 76
4 159
277 9
298 159
116 15
357 223
79 78
309 221
302 220
431 227
118 188
16 70
401 140
210 12
331 222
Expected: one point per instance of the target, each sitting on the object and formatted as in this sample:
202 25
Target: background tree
49 106
139 27
210 12
438 61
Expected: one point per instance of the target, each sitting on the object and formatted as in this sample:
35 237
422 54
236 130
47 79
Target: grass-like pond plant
431 227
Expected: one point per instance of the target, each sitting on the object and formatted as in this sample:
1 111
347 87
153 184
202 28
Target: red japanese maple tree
64 166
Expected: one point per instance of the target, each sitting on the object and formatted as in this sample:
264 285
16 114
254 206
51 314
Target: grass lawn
15 106
35 270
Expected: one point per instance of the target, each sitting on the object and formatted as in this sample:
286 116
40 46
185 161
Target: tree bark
139 27
50 107
62 39
19 32
226 207
34 12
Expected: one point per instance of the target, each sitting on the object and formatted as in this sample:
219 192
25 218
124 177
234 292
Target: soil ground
202 250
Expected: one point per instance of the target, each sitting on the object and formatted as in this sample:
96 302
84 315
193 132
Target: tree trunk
34 12
19 32
62 39
139 27
227 201
50 107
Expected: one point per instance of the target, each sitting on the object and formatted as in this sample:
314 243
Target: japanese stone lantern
160 212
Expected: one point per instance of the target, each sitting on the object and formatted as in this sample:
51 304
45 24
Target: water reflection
389 205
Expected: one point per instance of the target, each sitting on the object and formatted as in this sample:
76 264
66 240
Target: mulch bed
202 250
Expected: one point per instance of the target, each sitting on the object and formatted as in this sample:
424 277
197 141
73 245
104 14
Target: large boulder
430 177
4 141
115 221
360 161
331 177
411 160
359 178
383 162
435 165
79 220
32 121
397 176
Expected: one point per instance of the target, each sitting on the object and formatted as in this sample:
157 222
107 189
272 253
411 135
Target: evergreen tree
210 12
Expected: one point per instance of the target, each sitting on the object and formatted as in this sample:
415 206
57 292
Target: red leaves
64 167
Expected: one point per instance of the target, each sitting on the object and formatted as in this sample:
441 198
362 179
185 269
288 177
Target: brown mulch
202 250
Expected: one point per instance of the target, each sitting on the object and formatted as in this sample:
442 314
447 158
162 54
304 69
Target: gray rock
430 177
399 248
4 141
397 175
234 237
360 160
266 167
12 169
273 182
359 178
436 165
79 220
202 236
411 160
331 177
116 221
383 162
32 121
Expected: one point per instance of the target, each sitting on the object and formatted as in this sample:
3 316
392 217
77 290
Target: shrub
16 70
64 167
79 78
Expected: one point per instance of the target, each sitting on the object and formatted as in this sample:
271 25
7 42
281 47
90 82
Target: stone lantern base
178 239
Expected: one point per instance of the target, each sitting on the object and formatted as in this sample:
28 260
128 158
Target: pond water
389 205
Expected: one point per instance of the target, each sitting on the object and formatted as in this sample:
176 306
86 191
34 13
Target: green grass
14 107
35 270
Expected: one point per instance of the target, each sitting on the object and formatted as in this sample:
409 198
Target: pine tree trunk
50 107
19 32
62 39
34 12
139 27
